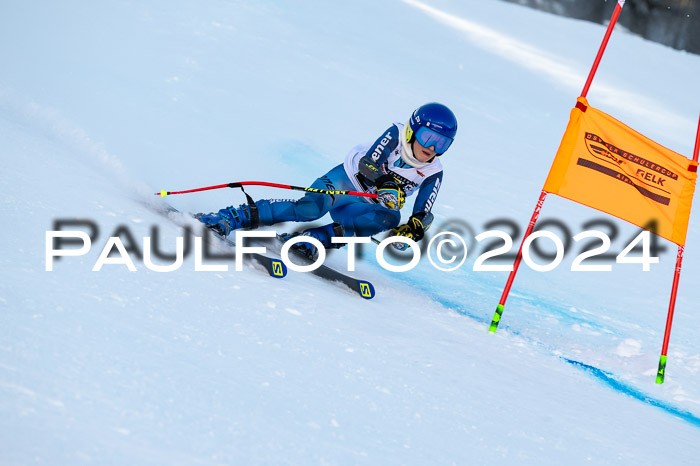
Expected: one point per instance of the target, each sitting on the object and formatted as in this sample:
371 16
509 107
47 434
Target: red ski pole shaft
272 185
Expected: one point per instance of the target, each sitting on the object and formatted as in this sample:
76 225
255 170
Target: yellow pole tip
163 193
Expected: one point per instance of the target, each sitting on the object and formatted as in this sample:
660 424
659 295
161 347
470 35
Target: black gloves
415 228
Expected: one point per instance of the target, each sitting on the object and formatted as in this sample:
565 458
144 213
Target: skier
403 160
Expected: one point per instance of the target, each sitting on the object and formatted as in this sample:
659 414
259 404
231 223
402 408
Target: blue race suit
362 216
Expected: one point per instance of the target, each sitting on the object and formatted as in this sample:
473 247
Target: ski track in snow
555 70
607 378
51 413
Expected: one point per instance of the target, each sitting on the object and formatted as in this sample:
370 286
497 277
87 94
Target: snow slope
103 104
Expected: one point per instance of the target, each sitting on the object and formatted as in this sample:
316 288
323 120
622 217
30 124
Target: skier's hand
415 229
390 194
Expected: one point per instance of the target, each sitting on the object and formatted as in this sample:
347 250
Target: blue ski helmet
432 124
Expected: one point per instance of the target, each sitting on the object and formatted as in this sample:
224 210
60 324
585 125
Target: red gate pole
661 372
601 50
501 304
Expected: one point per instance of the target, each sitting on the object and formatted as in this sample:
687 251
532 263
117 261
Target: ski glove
389 193
415 229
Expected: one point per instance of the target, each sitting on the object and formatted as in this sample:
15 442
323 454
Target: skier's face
422 154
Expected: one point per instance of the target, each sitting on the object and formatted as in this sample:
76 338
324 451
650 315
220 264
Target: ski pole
239 184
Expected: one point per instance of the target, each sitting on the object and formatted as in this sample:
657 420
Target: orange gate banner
610 167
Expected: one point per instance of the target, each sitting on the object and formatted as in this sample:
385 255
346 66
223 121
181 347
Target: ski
363 287
274 267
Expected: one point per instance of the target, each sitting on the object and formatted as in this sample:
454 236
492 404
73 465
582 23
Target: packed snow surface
103 104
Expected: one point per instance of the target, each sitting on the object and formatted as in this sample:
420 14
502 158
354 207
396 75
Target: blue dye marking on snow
612 382
296 155
448 303
606 377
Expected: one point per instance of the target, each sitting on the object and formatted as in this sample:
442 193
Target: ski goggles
426 137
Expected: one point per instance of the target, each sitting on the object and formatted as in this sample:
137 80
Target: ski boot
229 219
